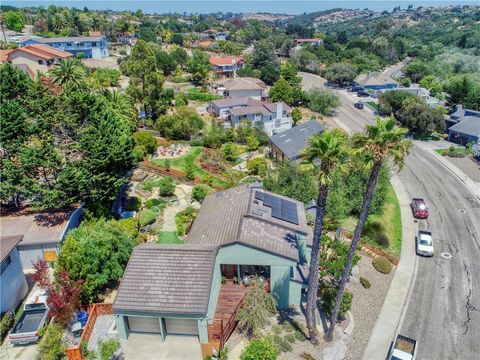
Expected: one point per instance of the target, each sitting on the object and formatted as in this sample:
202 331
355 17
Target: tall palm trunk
372 182
313 271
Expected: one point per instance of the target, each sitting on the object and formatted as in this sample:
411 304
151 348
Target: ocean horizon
235 6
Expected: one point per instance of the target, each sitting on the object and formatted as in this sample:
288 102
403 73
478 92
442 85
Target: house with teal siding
239 234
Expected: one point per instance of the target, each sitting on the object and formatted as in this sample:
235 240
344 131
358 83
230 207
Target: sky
238 6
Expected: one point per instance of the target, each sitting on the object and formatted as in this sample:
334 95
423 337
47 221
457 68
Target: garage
181 327
144 324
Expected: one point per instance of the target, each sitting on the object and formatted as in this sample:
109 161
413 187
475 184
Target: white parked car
424 243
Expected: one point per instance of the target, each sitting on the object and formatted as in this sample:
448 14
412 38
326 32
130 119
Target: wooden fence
94 311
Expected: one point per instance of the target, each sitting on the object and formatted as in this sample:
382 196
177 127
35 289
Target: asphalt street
443 312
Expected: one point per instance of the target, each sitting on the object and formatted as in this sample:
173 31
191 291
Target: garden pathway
183 193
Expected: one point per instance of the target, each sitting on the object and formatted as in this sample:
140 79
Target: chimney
279 110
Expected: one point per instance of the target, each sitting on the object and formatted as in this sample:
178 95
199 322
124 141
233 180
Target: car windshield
425 241
422 206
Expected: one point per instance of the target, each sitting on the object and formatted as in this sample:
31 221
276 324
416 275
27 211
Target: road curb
394 307
471 185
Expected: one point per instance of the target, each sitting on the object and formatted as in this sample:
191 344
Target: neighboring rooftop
7 244
45 52
242 215
246 83
36 226
247 105
64 39
226 60
238 101
167 279
291 142
374 78
461 112
470 125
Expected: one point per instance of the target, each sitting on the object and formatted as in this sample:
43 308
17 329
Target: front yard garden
382 230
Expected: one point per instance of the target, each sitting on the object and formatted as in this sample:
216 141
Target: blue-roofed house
94 47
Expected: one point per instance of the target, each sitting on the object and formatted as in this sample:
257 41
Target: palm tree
330 148
68 71
382 141
121 101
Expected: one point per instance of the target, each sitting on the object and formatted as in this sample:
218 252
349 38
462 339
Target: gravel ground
100 331
366 306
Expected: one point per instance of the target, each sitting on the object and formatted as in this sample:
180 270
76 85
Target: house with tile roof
194 289
226 65
95 47
13 283
42 231
34 58
270 117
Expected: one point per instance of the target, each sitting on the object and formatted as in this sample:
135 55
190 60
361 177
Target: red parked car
419 209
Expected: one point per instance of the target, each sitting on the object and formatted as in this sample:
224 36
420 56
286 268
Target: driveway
151 347
20 352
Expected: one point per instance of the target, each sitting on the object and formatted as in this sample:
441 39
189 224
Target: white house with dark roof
195 289
270 117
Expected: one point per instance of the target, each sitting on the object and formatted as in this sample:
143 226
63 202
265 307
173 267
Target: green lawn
456 150
168 237
373 105
427 137
386 226
179 164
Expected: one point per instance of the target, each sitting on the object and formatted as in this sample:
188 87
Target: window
40 62
94 43
5 263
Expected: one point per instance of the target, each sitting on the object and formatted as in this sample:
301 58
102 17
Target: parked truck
404 349
34 318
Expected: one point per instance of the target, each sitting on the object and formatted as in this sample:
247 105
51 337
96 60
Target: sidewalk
396 301
471 185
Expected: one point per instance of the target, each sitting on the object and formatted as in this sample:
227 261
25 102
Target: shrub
255 312
365 283
252 143
147 217
200 191
382 264
281 343
196 142
181 100
195 94
133 204
80 55
154 202
259 349
183 220
328 301
108 348
139 152
52 346
146 139
189 167
6 324
257 166
166 187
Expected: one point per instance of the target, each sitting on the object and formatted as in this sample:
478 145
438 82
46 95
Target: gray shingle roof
7 244
234 216
470 125
239 101
292 141
167 279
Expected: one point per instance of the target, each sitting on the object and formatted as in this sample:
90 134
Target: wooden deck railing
221 330
94 311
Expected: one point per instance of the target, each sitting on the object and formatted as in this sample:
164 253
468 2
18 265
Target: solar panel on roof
281 209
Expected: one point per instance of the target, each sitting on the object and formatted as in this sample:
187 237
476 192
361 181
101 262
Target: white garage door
144 324
182 326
